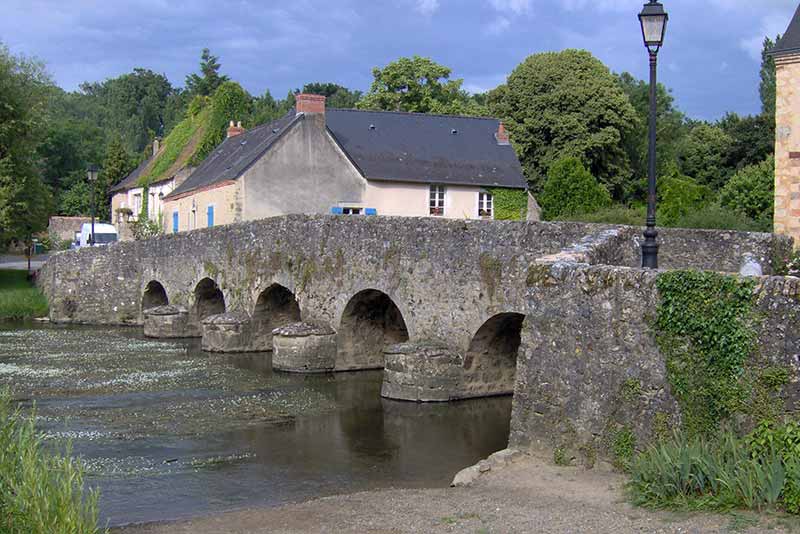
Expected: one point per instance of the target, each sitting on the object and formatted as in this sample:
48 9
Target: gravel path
529 496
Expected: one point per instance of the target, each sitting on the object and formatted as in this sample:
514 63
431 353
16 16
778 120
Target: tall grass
40 492
715 474
19 298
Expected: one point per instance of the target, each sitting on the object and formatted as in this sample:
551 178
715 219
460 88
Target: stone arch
154 295
370 321
490 363
208 299
275 306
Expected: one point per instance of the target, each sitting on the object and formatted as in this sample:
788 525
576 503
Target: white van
104 234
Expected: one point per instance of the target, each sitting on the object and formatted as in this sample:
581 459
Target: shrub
40 492
230 102
751 191
715 217
571 189
680 196
633 216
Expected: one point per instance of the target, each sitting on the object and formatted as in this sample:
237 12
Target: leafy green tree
752 138
116 166
337 95
209 79
418 84
704 153
679 196
767 86
671 128
568 103
751 191
229 103
24 199
76 200
570 189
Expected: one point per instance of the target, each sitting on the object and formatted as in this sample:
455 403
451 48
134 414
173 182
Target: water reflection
226 431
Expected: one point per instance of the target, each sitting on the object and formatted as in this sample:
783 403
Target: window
485 205
137 204
210 215
351 211
174 222
437 200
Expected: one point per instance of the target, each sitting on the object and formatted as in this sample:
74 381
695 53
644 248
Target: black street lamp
92 176
653 19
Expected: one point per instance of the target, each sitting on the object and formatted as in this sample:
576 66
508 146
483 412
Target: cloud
427 7
770 26
517 7
497 26
602 5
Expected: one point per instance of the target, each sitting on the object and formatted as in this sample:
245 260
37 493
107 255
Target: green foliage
509 204
751 191
753 139
336 95
714 216
774 439
560 457
571 189
418 84
40 492
617 214
680 196
623 447
174 145
567 103
703 155
705 329
19 298
208 81
229 103
77 200
144 228
766 87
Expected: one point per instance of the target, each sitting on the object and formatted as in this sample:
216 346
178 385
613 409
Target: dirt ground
527 496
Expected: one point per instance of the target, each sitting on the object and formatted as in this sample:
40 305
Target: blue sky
711 57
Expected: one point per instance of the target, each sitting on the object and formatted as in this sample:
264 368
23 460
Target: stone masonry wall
787 146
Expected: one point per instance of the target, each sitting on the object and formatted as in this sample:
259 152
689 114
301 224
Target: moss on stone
631 390
662 426
211 269
539 276
623 446
491 272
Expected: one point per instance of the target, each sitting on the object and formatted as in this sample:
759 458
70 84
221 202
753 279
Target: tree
337 96
671 128
751 191
229 103
116 166
76 200
703 155
418 84
679 196
752 138
570 189
568 103
209 79
24 199
767 87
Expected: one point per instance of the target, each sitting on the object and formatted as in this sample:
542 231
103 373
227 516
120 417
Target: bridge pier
228 332
168 322
304 348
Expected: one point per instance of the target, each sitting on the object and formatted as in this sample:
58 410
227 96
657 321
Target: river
168 431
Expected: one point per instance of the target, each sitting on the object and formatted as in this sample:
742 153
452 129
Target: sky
710 59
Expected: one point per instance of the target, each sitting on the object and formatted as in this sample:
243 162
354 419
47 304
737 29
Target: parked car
104 234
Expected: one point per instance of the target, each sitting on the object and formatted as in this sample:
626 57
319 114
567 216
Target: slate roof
384 146
130 181
790 42
236 154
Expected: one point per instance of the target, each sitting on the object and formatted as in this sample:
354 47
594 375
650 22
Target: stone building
351 162
65 228
787 133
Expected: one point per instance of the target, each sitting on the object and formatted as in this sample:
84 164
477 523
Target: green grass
40 492
19 298
174 144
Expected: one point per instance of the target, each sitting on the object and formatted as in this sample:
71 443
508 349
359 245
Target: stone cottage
351 162
787 133
127 196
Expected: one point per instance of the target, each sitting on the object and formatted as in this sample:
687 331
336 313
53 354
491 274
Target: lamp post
653 20
91 174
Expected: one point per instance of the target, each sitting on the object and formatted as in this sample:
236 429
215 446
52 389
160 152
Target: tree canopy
337 96
209 79
568 103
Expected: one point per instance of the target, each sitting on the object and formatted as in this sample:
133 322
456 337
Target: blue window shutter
210 216
174 222
337 211
371 211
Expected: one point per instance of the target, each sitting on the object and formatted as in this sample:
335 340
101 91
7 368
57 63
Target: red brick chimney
235 129
502 135
310 104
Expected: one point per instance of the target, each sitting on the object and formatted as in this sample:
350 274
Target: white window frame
359 209
437 200
482 203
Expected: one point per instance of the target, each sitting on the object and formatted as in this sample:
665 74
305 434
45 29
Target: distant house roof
790 42
131 181
384 146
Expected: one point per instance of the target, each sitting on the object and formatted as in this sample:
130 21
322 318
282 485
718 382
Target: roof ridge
441 115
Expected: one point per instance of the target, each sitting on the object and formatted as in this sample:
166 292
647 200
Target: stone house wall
787 146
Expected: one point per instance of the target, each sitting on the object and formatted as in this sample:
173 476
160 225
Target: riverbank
20 299
529 496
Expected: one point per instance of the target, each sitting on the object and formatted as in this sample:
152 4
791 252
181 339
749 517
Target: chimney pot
502 135
235 129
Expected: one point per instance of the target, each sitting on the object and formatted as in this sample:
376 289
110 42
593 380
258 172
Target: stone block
228 332
168 322
304 348
422 372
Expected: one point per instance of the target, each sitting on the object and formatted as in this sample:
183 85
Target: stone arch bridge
557 313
